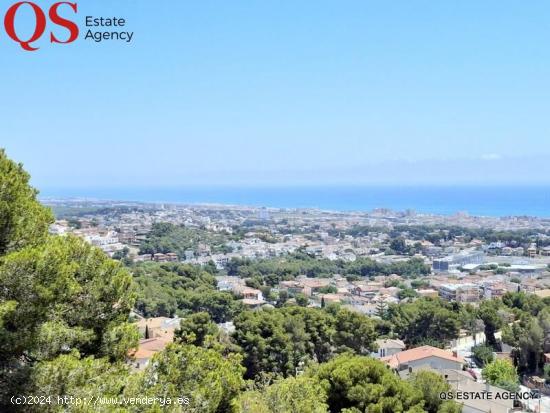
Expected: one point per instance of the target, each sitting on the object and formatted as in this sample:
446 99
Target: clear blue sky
286 92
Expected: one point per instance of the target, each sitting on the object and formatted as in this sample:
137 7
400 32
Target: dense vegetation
271 271
170 289
165 237
281 340
424 321
61 301
347 384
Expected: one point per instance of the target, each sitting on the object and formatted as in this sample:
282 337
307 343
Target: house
172 257
464 382
158 327
229 283
304 285
252 302
434 357
365 290
462 293
313 285
331 298
147 348
494 290
293 288
429 292
388 347
248 293
159 257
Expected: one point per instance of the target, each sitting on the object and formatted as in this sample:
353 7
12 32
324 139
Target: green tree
531 346
23 220
488 313
450 407
283 297
398 245
169 289
407 293
424 321
210 381
547 373
64 305
291 395
362 384
302 300
64 284
196 329
483 354
59 296
354 331
71 375
278 340
501 373
431 385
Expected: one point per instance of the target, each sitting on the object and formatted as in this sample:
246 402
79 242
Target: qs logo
40 23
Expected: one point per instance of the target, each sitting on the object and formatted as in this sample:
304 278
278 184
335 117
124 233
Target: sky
260 93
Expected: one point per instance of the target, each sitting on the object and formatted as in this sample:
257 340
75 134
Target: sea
495 201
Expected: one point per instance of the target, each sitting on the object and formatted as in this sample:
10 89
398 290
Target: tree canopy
283 339
501 373
23 220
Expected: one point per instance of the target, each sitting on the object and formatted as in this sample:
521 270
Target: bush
483 354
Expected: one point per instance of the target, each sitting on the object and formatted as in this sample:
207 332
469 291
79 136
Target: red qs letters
40 24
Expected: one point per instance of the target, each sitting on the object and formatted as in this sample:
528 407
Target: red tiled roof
419 353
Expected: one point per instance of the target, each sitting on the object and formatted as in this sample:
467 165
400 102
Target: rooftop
420 353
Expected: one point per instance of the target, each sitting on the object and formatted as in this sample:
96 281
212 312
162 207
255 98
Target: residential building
457 260
462 293
388 347
434 357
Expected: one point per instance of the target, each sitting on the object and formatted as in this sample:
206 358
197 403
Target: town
365 262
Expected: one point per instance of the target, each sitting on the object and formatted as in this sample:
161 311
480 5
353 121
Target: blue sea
444 200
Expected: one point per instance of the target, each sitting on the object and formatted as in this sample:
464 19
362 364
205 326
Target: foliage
60 296
353 332
280 340
407 293
169 289
424 321
71 375
292 395
528 303
165 237
438 234
529 336
483 354
431 385
210 381
301 300
289 267
363 384
23 220
196 329
65 284
488 313
64 305
501 373
547 372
